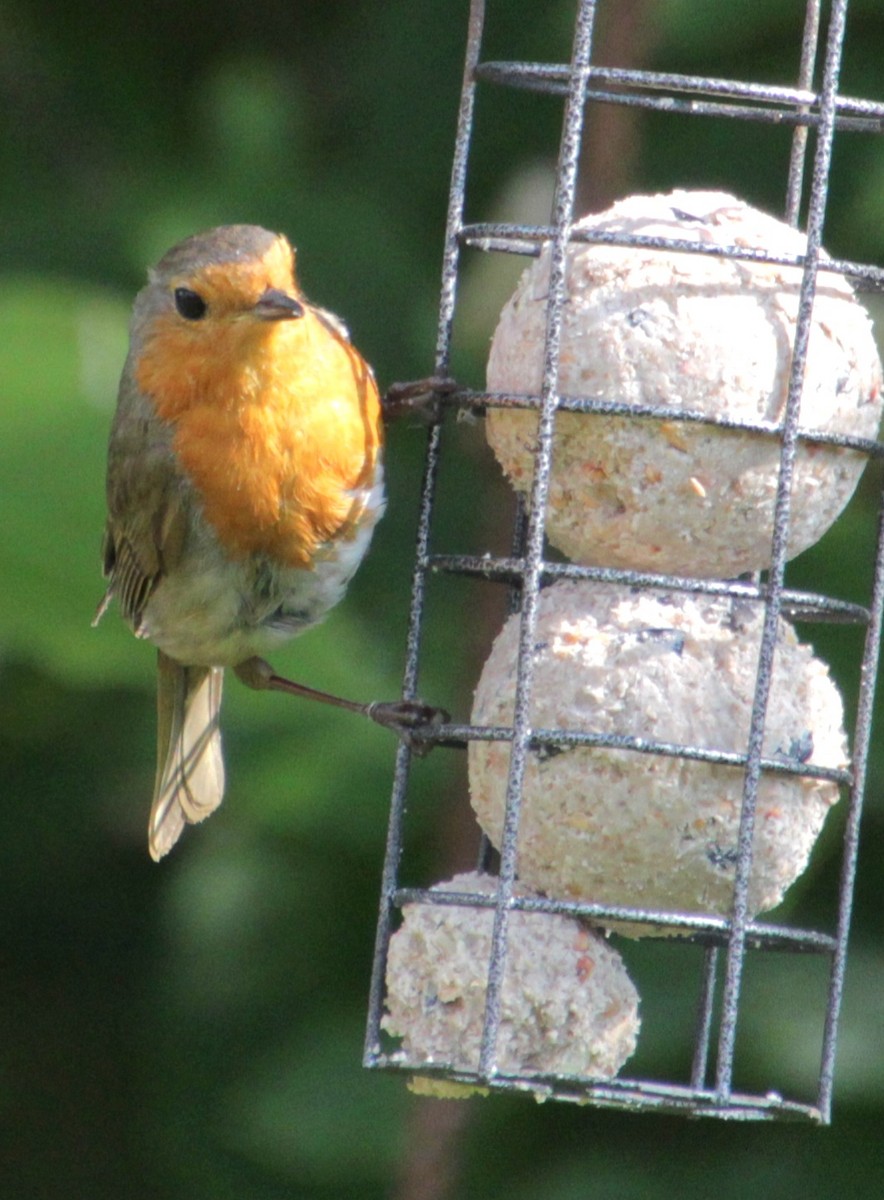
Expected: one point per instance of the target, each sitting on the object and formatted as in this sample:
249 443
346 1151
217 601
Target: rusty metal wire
710 1090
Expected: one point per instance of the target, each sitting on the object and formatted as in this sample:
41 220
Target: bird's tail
190 769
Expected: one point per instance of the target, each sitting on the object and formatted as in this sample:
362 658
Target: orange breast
276 423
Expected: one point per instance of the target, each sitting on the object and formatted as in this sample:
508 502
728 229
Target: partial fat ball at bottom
567 1003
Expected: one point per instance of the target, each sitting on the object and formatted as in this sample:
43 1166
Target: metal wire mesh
710 1088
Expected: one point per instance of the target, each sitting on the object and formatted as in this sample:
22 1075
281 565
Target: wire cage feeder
815 113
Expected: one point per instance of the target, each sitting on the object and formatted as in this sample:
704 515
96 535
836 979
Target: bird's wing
147 516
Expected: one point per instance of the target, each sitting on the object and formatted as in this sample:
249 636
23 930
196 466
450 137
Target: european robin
244 480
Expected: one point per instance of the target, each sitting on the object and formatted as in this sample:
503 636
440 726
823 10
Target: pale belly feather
216 611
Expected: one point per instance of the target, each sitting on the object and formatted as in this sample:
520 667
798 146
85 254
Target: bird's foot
415 723
421 398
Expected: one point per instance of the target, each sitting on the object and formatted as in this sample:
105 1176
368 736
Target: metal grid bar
799 605
797 106
539 739
528 239
861 742
798 156
727 939
478 401
705 1019
566 188
428 488
702 929
815 221
631 1095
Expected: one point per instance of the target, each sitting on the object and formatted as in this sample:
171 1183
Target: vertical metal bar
861 739
514 601
518 545
806 71
393 851
773 601
457 191
566 185
705 1007
389 880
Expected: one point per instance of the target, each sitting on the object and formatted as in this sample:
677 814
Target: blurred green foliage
194 1029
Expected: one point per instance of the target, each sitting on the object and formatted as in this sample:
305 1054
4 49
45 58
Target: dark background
194 1029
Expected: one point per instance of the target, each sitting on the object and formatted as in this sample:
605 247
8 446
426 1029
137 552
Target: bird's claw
421 398
415 723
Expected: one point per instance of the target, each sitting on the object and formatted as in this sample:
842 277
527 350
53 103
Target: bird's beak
276 305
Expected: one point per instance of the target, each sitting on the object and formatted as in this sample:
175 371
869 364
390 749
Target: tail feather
190 768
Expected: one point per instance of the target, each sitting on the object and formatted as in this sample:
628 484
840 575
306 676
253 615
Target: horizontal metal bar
457 736
798 106
632 1095
706 929
801 606
786 118
528 240
479 401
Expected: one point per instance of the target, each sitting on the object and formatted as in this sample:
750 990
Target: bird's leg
406 718
421 398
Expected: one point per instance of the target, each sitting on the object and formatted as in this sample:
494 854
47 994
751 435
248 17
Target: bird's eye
190 304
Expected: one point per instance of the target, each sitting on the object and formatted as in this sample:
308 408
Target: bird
244 480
